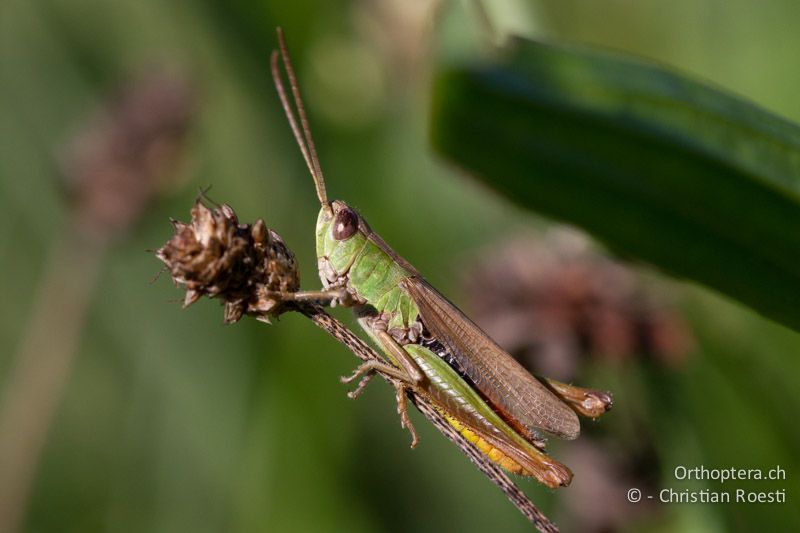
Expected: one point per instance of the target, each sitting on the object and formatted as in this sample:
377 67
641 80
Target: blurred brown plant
401 32
552 301
127 151
555 301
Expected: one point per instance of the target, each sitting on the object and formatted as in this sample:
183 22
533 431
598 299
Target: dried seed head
552 301
247 266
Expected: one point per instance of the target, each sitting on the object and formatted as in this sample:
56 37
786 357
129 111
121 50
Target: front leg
407 377
409 371
325 297
367 369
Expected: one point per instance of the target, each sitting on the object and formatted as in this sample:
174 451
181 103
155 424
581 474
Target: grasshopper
431 347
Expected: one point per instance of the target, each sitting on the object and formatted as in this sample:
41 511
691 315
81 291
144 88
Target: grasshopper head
341 233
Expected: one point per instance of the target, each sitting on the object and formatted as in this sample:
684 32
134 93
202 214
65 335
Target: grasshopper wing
519 398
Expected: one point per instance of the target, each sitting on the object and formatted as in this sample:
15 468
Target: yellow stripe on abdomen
493 453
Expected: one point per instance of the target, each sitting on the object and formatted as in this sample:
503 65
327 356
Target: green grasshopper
431 347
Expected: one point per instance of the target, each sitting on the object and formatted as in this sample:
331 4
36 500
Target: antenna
304 140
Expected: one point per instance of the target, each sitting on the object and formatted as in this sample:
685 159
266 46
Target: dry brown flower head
248 266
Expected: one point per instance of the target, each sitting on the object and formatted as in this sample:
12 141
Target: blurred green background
172 422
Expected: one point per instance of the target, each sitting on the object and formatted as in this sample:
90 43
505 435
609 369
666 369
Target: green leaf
660 167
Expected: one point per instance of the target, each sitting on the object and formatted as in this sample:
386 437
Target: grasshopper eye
345 224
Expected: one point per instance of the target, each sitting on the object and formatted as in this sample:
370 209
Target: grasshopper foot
357 373
367 370
402 410
365 379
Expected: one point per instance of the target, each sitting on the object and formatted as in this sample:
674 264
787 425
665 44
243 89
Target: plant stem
42 367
